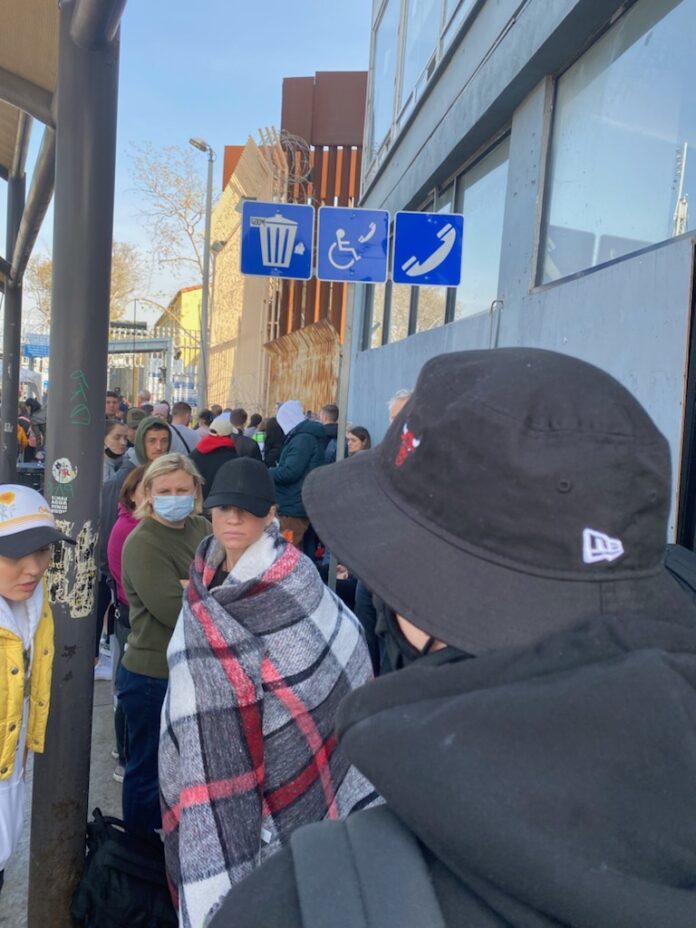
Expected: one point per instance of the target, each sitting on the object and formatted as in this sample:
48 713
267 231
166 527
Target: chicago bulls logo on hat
409 443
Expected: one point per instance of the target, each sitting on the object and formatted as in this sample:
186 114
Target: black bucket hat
244 483
517 492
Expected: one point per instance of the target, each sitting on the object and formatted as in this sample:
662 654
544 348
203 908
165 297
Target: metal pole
82 240
203 359
346 353
11 339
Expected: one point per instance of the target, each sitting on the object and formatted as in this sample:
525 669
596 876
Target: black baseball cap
518 492
244 483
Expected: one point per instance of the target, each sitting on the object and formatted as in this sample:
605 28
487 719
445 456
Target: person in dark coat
214 450
273 444
222 444
537 750
303 450
328 416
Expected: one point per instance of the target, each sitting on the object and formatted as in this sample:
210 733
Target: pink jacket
124 525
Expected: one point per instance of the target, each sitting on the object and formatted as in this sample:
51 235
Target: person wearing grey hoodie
152 440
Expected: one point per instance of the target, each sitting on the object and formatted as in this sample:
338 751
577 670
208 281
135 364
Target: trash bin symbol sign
277 239
278 236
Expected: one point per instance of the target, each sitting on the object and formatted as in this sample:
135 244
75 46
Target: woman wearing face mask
155 564
115 446
260 659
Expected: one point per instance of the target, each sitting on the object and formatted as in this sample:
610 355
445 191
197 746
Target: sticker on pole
428 249
277 240
352 244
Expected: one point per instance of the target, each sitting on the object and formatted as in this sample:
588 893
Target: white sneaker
104 669
119 773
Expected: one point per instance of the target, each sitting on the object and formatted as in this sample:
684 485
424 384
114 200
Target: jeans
118 646
141 699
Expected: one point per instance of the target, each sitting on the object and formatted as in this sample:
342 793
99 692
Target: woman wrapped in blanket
260 659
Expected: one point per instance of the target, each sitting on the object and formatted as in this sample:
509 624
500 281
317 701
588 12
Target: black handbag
124 884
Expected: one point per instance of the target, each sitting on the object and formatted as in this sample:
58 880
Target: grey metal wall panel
630 318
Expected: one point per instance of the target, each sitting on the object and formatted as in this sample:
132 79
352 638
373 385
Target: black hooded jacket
549 786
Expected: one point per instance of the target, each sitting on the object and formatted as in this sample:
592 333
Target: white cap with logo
26 522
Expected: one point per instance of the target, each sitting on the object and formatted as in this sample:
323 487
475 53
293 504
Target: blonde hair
170 464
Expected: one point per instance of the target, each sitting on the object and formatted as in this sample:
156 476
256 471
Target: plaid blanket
257 668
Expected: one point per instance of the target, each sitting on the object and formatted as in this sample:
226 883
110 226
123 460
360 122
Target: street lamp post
203 146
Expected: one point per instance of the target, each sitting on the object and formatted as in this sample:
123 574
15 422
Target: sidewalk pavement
104 792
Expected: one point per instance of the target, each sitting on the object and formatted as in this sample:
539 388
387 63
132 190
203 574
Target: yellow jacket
12 674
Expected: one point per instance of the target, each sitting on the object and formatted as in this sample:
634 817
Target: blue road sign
353 244
277 239
36 345
428 249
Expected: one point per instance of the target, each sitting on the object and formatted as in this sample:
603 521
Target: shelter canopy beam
26 96
37 204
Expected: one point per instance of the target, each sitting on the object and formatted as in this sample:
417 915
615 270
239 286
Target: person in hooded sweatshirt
537 748
27 531
152 440
303 450
115 447
221 445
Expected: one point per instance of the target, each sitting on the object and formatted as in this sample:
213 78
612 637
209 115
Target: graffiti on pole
79 411
72 573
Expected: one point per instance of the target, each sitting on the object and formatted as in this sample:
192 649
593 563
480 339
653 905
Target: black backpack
365 872
124 884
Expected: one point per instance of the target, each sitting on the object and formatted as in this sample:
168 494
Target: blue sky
214 69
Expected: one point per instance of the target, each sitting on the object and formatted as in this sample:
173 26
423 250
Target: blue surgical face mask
173 508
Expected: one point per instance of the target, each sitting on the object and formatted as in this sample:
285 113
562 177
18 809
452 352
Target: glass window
399 313
432 303
623 158
481 198
422 31
384 64
377 315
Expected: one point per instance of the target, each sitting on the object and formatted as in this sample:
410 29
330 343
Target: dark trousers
141 699
121 632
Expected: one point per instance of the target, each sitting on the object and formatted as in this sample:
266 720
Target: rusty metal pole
82 241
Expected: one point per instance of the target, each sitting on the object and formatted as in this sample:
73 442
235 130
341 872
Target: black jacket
549 786
330 442
273 444
209 463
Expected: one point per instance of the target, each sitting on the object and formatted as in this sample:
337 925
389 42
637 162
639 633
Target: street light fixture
203 146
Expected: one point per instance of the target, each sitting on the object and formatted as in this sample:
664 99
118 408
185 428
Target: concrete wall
630 317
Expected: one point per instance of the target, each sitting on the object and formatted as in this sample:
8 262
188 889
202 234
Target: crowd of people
490 723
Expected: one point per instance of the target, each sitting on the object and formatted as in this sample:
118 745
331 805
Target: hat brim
462 599
22 543
254 505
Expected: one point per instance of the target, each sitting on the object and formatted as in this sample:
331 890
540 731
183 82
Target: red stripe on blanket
243 687
302 718
204 793
284 795
278 571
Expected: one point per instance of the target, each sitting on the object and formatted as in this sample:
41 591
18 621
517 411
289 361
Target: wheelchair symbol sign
352 244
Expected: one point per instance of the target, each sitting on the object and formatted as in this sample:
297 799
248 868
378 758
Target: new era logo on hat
596 546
